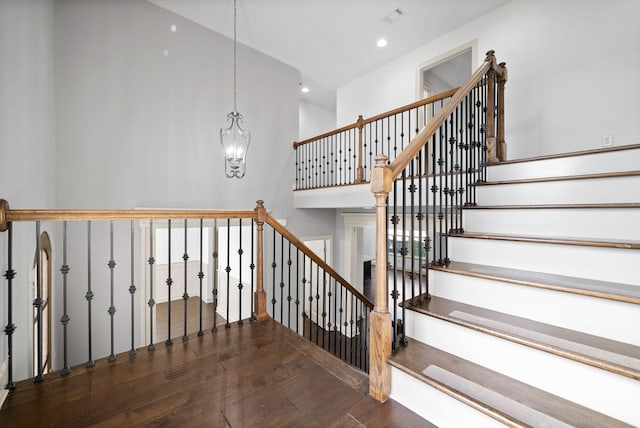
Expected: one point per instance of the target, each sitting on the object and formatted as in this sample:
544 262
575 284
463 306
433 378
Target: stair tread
569 154
556 206
587 242
607 354
599 175
501 397
584 286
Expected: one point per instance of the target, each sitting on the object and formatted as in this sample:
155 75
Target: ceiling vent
393 16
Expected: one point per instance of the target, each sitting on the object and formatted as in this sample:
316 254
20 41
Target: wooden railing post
260 295
502 144
4 207
380 326
491 105
360 170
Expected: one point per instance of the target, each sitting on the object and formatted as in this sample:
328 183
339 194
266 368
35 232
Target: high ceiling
332 42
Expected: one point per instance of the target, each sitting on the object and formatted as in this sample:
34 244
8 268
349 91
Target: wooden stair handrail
313 256
362 121
411 151
11 215
8 215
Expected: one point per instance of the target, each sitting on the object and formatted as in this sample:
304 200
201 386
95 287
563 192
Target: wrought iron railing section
420 194
313 300
424 209
347 155
231 274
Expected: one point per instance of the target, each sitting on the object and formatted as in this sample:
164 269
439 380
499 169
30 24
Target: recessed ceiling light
381 43
173 28
304 89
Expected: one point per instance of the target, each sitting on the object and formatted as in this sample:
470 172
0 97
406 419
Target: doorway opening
42 310
443 73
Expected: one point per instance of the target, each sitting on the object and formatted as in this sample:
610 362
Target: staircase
536 320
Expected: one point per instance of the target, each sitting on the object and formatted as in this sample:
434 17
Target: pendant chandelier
234 139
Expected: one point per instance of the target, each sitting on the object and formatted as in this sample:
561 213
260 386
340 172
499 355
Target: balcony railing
98 279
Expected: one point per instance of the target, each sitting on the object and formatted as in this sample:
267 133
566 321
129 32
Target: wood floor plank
255 374
416 359
614 356
583 286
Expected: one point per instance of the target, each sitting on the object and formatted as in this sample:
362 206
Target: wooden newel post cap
381 160
4 207
491 53
260 211
381 176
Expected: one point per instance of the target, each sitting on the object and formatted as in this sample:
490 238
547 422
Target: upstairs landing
255 374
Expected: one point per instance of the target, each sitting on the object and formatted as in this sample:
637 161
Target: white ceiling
331 42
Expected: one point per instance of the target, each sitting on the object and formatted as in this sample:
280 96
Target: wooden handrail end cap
4 207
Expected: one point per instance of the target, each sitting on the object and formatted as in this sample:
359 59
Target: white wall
27 140
94 115
573 68
315 120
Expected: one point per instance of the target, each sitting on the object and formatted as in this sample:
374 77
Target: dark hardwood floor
255 374
177 318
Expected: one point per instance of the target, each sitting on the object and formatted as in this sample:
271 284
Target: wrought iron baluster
351 326
89 297
112 309
305 315
64 269
297 302
132 291
332 178
394 292
434 204
37 303
336 326
274 265
169 282
214 328
10 328
227 324
240 286
289 298
281 279
317 297
252 267
151 303
324 306
200 278
185 294
342 326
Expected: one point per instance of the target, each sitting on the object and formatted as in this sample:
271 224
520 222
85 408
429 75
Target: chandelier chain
235 20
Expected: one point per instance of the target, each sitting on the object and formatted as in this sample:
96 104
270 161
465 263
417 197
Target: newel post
502 144
380 327
360 169
260 295
491 105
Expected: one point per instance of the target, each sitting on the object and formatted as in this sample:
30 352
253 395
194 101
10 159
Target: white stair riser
603 391
600 317
605 264
611 190
435 406
602 223
626 160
